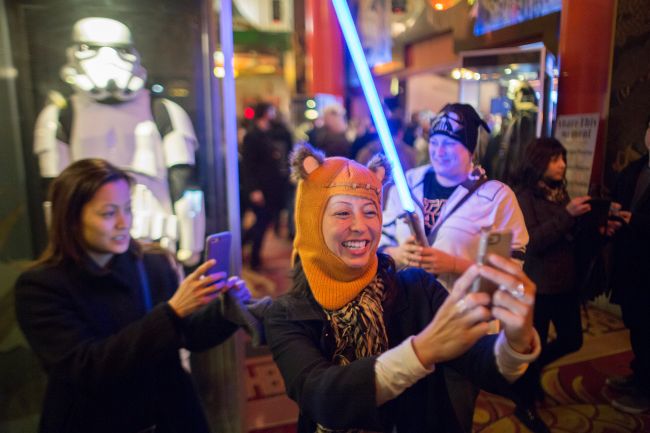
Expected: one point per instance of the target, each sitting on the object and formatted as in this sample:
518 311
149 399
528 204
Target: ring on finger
461 306
517 291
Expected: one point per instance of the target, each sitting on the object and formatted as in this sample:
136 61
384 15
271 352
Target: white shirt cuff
396 370
510 363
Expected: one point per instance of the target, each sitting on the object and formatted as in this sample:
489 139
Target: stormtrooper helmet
103 63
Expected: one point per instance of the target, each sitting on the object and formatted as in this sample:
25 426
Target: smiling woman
361 346
106 220
351 228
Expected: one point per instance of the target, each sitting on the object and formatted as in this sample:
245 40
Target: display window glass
129 82
515 90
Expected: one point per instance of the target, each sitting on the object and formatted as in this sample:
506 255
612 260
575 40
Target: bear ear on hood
380 166
304 160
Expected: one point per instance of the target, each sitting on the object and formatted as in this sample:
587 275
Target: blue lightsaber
377 112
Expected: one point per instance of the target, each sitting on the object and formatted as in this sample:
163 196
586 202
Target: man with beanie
438 188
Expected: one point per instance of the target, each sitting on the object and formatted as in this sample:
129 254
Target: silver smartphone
491 242
217 247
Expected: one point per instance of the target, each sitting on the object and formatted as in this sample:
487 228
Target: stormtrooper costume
111 116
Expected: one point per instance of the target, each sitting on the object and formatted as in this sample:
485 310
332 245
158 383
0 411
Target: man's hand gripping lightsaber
369 90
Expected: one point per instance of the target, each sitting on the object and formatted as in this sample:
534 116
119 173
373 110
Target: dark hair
536 159
69 193
385 269
261 108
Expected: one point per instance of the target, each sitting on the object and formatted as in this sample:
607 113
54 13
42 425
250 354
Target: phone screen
217 247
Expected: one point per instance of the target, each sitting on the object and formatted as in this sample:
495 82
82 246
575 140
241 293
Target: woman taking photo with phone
107 320
363 347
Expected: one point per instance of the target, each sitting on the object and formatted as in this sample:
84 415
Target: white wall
429 92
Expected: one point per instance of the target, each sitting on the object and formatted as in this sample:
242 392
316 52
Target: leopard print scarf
557 194
359 331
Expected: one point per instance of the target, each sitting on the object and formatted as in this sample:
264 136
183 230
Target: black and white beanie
459 122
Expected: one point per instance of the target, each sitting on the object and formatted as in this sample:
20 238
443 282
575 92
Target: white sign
577 132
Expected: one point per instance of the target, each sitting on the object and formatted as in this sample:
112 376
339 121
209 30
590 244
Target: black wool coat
112 366
343 397
550 259
264 166
631 276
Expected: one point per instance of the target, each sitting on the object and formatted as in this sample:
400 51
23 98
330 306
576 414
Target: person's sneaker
632 403
530 418
621 383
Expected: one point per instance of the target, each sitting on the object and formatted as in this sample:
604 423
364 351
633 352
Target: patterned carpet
577 401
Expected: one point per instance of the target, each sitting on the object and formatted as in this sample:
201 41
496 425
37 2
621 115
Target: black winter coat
632 242
550 254
264 166
111 366
343 397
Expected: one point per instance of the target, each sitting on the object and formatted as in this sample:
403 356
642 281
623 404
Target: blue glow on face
376 110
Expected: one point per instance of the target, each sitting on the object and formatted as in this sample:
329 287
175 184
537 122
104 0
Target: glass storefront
515 89
130 82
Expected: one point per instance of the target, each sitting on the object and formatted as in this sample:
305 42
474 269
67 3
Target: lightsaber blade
376 111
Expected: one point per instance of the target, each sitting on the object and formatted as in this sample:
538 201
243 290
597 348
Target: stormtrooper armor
113 117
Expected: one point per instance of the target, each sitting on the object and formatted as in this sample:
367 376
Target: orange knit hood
332 282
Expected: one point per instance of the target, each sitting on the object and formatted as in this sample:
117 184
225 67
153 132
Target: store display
112 116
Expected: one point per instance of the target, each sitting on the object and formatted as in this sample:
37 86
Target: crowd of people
378 331
554 236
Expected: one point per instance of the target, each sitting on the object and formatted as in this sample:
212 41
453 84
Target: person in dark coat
631 279
361 346
107 320
264 176
331 138
551 219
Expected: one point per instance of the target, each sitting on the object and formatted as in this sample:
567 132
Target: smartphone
597 217
491 242
217 247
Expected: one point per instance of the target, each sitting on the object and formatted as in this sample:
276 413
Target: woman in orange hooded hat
362 347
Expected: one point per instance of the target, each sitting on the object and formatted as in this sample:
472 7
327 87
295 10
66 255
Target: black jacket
111 366
343 397
264 165
632 242
550 254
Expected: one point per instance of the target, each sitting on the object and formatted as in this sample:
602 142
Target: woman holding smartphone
550 260
454 202
362 346
107 320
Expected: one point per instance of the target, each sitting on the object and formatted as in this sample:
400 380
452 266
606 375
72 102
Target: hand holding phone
496 242
597 217
217 247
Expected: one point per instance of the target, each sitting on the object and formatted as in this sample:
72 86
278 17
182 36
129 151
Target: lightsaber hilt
413 221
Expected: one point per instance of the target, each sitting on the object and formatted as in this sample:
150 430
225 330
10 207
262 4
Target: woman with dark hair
550 261
362 347
107 320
